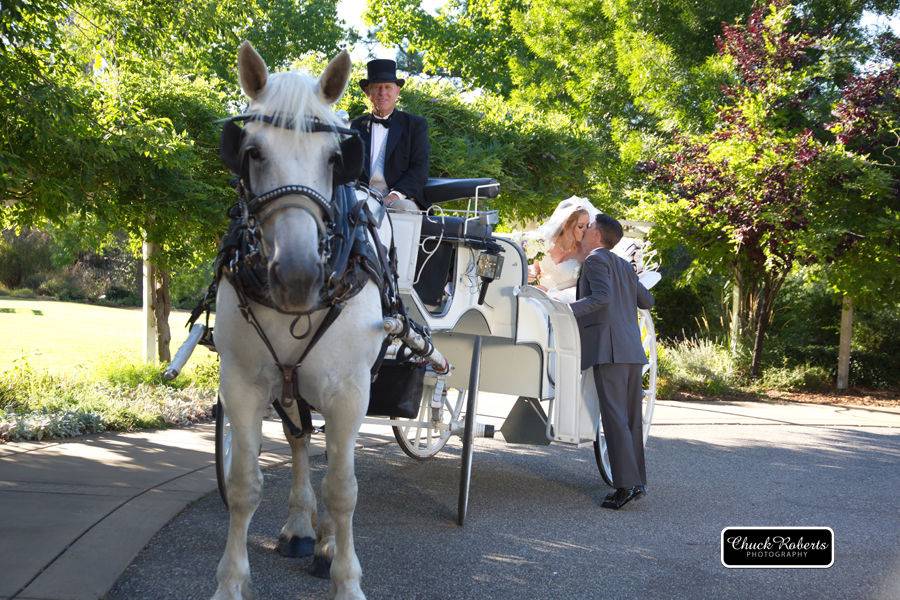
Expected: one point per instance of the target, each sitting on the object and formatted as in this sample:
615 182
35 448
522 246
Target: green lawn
65 337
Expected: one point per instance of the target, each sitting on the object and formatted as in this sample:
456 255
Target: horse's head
289 157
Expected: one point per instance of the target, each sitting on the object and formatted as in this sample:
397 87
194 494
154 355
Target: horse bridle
347 166
255 208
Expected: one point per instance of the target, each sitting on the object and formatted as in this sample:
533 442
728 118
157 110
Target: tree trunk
761 323
150 352
162 306
843 370
765 304
735 328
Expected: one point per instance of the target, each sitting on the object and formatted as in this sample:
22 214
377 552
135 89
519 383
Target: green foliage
473 40
24 257
533 156
805 332
47 425
204 371
38 405
62 287
135 374
696 365
796 379
118 133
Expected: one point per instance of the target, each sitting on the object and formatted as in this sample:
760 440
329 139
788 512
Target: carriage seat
459 228
439 190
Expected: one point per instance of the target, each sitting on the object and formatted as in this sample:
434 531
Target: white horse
335 376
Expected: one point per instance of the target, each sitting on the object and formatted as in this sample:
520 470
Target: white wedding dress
559 278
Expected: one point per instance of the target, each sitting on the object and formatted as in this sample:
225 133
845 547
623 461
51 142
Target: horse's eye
254 153
335 158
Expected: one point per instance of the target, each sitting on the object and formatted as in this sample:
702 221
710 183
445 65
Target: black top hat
381 70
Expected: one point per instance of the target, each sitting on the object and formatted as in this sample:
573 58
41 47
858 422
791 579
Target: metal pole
465 475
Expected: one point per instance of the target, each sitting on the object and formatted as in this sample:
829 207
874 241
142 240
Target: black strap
302 405
286 419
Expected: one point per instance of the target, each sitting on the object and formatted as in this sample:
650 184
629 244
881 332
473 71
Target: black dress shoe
621 497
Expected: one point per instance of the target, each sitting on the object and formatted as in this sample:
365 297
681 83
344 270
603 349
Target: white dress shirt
379 135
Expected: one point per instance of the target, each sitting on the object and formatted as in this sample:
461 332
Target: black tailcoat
406 153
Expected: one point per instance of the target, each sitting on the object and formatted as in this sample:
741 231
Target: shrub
37 405
795 378
131 375
24 256
22 293
122 296
62 287
205 373
697 365
44 425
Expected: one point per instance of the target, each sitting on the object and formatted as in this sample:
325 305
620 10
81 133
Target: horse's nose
293 288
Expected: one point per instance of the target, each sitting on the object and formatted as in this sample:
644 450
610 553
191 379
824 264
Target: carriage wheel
648 339
223 450
423 442
465 476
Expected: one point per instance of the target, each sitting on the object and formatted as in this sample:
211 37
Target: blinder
347 164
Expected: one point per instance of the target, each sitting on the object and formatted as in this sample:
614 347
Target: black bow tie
386 123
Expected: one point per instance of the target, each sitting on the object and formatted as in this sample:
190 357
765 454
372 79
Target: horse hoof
320 567
295 547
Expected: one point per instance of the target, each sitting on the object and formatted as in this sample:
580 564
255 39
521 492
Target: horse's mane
293 96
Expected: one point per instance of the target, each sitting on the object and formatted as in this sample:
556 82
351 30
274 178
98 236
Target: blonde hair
566 237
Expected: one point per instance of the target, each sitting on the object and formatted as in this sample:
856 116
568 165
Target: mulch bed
852 397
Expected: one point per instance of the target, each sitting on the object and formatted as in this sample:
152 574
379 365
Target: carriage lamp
488 268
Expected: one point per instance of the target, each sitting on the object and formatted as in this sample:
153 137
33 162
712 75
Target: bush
805 332
24 256
45 425
62 287
37 405
696 365
122 297
796 378
205 373
132 375
22 293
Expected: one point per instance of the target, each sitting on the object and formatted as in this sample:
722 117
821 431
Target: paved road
536 529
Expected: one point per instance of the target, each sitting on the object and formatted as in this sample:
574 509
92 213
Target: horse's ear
334 78
252 70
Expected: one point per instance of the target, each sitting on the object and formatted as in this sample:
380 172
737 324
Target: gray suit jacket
609 295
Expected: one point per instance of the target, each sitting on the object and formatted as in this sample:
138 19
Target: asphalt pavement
535 528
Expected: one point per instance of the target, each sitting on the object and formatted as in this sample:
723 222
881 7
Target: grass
70 369
66 337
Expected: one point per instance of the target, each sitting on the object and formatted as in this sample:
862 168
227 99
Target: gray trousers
620 392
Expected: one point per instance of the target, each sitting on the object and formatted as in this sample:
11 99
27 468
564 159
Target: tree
112 109
768 188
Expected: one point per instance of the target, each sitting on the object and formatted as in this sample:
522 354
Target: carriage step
526 423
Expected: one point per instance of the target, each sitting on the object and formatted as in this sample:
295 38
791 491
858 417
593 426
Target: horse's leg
242 402
298 536
339 491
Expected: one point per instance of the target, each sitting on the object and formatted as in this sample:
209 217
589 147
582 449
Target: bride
557 272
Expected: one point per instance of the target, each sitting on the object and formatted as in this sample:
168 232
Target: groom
608 297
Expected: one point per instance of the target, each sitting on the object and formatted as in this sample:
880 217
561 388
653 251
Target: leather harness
349 260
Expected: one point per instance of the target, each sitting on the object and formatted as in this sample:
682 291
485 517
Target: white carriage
499 334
